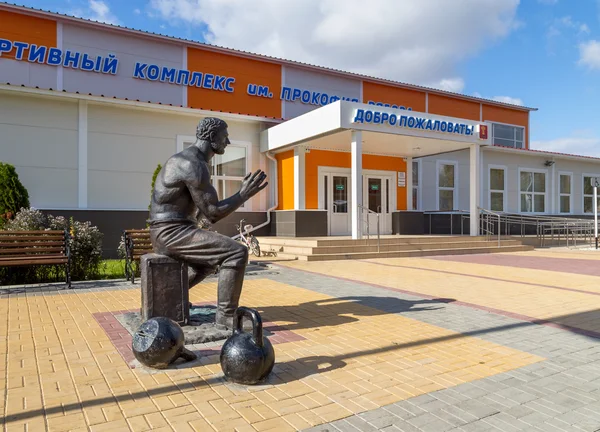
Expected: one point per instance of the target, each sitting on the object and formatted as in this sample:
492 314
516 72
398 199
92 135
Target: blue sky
540 53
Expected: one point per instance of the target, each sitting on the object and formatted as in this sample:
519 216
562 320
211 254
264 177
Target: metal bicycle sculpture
248 239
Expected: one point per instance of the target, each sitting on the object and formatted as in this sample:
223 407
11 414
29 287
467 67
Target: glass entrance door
376 196
336 199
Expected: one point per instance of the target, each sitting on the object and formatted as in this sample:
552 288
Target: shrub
28 219
13 195
156 171
86 246
85 242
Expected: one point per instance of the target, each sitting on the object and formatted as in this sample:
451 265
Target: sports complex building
88 111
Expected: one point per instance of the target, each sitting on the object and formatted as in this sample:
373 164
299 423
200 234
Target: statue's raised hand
253 184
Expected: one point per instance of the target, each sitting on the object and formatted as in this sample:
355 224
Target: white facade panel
126 145
28 74
27 110
39 137
49 188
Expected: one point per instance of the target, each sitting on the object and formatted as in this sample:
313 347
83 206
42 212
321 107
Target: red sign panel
483 132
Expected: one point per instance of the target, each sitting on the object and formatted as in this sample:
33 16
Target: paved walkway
470 343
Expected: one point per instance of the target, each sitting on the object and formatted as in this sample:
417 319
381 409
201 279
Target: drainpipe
275 196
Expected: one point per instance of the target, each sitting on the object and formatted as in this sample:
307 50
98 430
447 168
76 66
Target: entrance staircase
343 248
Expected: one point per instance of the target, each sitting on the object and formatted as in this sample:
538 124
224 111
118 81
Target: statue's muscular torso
171 198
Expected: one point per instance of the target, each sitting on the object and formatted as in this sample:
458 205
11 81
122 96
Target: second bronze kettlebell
247 358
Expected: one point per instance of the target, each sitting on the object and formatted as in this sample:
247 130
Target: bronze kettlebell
247 358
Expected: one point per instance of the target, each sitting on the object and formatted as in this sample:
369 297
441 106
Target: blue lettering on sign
412 122
304 96
37 54
229 84
5 46
53 56
71 59
20 46
219 83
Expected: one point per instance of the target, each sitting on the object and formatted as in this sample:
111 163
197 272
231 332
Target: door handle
378 209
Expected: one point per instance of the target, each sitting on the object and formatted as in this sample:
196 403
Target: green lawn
112 269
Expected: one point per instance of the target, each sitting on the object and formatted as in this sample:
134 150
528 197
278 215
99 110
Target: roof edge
262 57
534 152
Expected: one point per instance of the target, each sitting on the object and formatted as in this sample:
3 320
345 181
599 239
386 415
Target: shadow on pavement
304 367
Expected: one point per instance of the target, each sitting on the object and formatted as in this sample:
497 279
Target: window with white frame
446 186
497 188
415 185
228 170
508 136
588 195
564 192
532 189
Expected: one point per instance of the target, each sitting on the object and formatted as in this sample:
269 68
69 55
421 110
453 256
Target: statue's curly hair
208 126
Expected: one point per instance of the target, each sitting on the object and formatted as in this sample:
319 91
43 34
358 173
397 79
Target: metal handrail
361 207
489 231
492 223
573 228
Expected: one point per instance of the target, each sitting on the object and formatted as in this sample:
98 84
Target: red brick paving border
122 340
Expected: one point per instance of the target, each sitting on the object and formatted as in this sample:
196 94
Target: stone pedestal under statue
165 293
165 290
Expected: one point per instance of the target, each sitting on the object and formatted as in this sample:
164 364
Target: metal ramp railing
546 228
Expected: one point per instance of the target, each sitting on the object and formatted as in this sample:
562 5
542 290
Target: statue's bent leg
203 251
231 279
197 273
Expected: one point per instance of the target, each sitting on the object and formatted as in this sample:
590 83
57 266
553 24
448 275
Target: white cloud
455 85
589 54
97 10
566 23
584 144
508 100
504 99
416 42
137 11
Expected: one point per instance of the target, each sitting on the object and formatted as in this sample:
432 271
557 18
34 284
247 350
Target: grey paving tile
399 412
477 426
422 420
505 422
436 426
384 421
360 424
519 411
449 418
535 418
406 427
344 426
476 408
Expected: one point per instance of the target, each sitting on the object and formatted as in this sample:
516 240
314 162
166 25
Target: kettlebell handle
257 331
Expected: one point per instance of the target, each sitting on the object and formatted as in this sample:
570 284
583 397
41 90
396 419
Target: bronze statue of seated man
183 194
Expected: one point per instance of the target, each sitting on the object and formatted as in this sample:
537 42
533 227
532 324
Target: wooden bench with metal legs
33 248
137 243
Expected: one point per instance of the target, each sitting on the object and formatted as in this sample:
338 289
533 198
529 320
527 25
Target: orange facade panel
506 115
285 180
244 71
26 28
453 107
317 158
394 96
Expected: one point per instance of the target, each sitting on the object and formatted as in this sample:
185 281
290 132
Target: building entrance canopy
385 131
361 128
